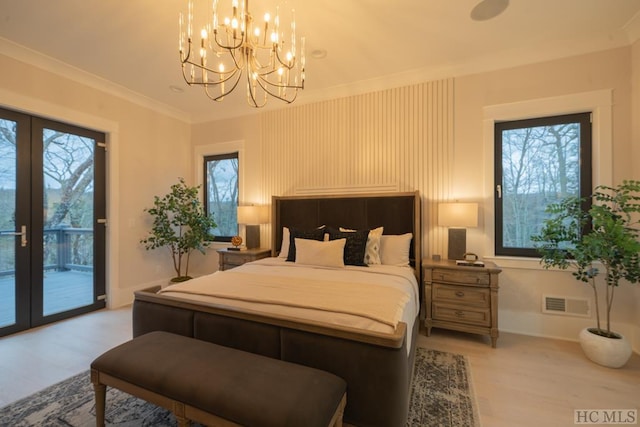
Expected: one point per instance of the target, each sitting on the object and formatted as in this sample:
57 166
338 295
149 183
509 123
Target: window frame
212 157
209 150
599 102
584 120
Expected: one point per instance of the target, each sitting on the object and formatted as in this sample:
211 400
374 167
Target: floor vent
566 306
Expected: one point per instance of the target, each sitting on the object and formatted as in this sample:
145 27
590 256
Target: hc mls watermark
605 416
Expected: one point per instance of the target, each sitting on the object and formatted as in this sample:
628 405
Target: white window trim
599 103
202 151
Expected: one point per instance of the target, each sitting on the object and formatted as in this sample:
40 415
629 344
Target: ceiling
129 47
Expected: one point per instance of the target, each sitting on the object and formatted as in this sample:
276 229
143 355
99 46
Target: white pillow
394 249
372 249
320 253
284 247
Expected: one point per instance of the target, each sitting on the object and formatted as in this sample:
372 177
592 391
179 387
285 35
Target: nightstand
462 298
230 259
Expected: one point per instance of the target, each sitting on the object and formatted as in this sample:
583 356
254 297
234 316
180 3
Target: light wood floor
526 381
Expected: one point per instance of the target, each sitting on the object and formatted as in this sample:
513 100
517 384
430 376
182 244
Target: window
537 162
221 193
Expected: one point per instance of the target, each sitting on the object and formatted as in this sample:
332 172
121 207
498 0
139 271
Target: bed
375 356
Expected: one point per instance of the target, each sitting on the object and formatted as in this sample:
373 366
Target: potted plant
181 225
601 246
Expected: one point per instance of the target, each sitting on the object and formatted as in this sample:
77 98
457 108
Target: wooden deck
63 290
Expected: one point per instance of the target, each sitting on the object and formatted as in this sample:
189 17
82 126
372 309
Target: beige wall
147 151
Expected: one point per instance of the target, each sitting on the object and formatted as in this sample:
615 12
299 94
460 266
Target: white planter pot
609 352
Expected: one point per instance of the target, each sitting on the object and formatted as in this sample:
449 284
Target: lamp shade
253 215
460 215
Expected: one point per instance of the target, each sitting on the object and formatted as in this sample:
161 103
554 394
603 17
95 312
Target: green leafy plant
181 225
611 243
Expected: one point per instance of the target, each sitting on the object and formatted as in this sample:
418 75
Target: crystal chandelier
238 44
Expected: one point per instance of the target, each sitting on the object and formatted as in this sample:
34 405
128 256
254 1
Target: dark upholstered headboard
399 213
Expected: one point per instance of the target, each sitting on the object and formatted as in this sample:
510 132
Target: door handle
22 233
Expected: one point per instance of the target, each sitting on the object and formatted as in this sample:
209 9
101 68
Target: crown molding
52 65
632 28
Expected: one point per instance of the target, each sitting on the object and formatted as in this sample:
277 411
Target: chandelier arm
264 77
230 73
186 57
251 95
239 65
229 47
284 64
225 93
275 95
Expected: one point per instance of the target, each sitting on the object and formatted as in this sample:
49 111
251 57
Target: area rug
442 396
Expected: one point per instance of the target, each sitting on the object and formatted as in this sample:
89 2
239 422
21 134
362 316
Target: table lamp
252 217
457 216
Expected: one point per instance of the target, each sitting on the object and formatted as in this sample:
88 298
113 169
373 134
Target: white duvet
373 298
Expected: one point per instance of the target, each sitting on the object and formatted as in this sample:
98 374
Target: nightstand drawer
461 295
237 260
471 316
230 259
471 277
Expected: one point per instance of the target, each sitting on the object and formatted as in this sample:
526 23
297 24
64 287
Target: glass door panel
68 177
8 183
15 276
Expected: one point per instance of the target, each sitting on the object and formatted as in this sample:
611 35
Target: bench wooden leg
100 391
336 421
179 412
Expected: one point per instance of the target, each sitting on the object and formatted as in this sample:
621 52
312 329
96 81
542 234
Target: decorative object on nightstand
461 298
236 241
229 258
457 216
252 217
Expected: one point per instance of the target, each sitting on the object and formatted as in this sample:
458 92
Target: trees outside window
538 162
221 193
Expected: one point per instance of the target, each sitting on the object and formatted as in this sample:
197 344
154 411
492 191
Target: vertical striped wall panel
394 140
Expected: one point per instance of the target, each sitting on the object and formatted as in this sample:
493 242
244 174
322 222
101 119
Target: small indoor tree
603 239
181 225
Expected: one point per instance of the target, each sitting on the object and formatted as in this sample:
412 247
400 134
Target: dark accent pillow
354 247
296 233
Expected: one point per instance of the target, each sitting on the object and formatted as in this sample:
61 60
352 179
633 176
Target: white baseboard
117 298
558 327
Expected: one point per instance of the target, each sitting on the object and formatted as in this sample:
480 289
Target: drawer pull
459 294
459 313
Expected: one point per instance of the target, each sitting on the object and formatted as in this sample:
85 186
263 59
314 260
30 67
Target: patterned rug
442 396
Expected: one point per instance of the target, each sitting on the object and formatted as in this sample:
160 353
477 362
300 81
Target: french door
52 221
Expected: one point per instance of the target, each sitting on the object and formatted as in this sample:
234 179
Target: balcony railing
65 249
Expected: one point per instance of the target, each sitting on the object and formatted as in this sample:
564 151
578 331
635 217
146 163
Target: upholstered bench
218 386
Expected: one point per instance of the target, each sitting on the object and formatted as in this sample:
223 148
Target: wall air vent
566 306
